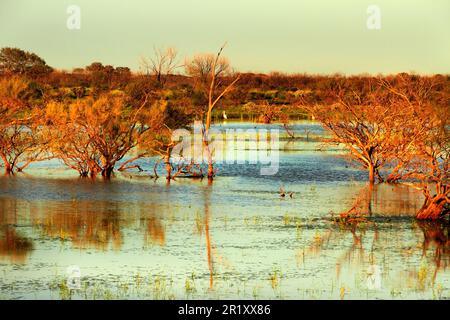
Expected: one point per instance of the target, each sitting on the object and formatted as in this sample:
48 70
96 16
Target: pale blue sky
315 36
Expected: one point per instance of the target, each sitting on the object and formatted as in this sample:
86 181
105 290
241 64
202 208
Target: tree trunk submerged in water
433 208
209 157
83 174
371 174
210 171
107 172
8 170
93 173
168 166
8 167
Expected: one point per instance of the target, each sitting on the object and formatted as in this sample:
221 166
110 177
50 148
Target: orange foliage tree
21 140
93 135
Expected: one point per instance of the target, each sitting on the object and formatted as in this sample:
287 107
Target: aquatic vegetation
300 257
189 286
138 280
395 293
317 240
199 223
275 278
225 220
342 292
257 220
64 292
286 219
422 276
161 288
255 292
351 219
438 291
298 228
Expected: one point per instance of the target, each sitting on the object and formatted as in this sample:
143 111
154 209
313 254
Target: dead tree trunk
210 160
168 165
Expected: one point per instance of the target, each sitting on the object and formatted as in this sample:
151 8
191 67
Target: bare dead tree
209 69
162 64
363 130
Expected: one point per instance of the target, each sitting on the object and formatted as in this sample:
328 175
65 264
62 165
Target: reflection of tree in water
437 238
155 232
372 209
350 252
85 224
382 201
202 228
12 244
436 233
355 220
367 240
208 238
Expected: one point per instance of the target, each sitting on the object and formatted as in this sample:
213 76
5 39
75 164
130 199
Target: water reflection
384 240
379 243
437 239
207 194
85 224
155 231
233 239
13 245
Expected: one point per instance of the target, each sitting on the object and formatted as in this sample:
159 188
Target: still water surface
138 238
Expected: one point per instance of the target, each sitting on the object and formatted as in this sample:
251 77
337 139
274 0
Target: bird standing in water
283 193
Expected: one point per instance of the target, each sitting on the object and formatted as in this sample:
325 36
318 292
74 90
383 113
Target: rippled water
135 237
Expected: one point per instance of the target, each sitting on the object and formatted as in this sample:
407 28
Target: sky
293 36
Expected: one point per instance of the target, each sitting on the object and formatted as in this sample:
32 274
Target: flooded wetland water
138 238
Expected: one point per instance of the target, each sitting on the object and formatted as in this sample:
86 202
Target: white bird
224 115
